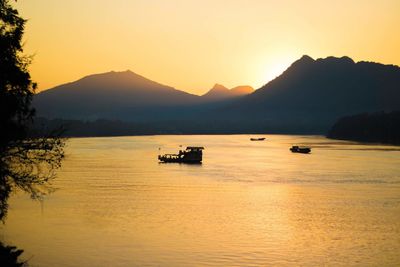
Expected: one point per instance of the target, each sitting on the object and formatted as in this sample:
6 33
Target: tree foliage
9 256
27 162
379 127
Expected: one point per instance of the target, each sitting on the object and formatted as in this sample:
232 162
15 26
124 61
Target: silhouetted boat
257 139
297 149
192 154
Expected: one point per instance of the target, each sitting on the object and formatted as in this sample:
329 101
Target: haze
193 44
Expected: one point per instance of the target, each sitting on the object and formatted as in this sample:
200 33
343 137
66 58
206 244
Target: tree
9 256
27 162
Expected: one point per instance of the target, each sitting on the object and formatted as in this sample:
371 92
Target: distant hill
220 92
311 94
378 127
111 95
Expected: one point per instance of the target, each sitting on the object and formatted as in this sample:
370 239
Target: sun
275 70
269 70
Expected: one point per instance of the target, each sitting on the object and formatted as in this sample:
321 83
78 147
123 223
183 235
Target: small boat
192 154
298 149
257 139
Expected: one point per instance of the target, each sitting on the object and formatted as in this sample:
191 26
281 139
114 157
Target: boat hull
257 139
179 160
303 150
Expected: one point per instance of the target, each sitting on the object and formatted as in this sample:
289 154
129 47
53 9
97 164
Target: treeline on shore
106 127
379 127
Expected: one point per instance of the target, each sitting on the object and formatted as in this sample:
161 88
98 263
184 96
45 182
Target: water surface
248 204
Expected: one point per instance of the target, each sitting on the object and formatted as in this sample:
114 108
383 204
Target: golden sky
191 45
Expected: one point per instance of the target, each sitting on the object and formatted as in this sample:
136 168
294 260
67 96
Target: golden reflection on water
248 204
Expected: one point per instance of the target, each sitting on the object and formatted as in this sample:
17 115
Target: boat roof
194 147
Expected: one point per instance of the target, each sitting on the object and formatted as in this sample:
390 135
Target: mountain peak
242 90
303 61
306 58
219 87
111 73
332 59
220 92
118 79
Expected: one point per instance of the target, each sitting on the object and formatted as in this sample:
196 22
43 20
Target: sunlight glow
192 45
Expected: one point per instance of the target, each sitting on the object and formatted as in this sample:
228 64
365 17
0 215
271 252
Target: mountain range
306 98
126 96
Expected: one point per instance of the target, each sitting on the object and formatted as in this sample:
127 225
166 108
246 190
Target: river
248 204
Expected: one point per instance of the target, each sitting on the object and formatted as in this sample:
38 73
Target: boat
257 139
192 154
298 149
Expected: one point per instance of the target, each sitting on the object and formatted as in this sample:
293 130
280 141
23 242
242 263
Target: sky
191 45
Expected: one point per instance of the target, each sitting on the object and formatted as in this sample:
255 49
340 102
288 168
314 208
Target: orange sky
191 45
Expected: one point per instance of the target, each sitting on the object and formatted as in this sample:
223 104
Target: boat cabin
192 154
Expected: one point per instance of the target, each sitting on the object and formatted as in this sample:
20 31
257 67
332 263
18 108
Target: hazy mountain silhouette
122 95
307 98
311 94
128 96
220 92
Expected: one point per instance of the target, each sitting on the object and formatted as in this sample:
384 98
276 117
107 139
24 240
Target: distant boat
297 149
257 139
192 154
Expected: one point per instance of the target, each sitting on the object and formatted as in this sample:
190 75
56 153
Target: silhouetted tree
26 163
9 256
379 127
